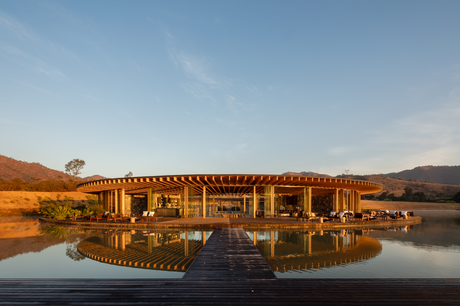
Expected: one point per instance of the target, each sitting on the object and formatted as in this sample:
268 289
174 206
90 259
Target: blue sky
180 87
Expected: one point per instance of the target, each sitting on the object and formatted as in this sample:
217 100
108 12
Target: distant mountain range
306 173
11 168
436 174
428 179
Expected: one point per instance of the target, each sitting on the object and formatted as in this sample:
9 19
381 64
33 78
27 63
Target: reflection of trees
61 232
68 234
72 252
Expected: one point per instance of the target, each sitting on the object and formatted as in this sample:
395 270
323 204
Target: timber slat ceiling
231 184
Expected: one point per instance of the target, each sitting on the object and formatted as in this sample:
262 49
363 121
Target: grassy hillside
21 203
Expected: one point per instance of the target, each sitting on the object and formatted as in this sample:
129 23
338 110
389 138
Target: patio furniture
394 214
74 218
149 217
117 217
98 217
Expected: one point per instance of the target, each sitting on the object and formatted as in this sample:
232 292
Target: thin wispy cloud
16 28
204 83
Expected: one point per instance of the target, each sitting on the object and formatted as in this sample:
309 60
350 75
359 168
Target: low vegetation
55 210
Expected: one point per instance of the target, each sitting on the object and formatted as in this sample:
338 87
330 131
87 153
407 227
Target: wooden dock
229 254
373 292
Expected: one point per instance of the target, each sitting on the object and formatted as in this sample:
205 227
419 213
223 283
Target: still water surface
29 249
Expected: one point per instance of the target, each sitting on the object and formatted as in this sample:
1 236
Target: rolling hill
11 168
437 174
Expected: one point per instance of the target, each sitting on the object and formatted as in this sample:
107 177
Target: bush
97 209
57 211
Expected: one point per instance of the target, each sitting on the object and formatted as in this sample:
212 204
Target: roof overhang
228 184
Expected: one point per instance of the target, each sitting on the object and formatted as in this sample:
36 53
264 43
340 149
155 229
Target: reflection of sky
395 261
53 263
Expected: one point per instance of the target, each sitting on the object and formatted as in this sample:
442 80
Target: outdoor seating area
107 217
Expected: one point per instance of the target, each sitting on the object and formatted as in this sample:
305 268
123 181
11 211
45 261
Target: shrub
57 211
97 209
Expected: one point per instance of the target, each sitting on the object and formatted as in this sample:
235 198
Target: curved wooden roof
228 184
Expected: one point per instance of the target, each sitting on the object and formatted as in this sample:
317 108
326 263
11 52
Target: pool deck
229 254
212 222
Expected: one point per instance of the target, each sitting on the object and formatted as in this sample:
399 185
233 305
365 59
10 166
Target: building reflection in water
162 250
302 250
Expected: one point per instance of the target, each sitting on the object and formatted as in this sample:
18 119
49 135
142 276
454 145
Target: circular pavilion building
206 195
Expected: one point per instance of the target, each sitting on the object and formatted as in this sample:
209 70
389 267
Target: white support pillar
244 205
204 202
115 200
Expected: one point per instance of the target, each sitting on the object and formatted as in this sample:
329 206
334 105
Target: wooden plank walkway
373 292
229 254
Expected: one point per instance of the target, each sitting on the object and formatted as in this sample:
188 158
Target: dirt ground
22 203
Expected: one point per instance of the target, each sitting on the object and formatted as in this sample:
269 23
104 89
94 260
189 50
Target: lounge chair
74 218
115 218
150 216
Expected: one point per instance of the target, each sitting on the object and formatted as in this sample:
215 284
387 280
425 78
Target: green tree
130 174
74 167
408 190
456 197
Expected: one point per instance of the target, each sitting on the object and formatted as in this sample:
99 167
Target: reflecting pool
427 250
30 249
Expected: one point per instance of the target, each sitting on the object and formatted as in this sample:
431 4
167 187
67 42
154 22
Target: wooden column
254 204
204 202
351 206
203 237
186 202
307 199
115 195
358 202
336 200
272 201
244 205
342 200
149 199
122 201
255 238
